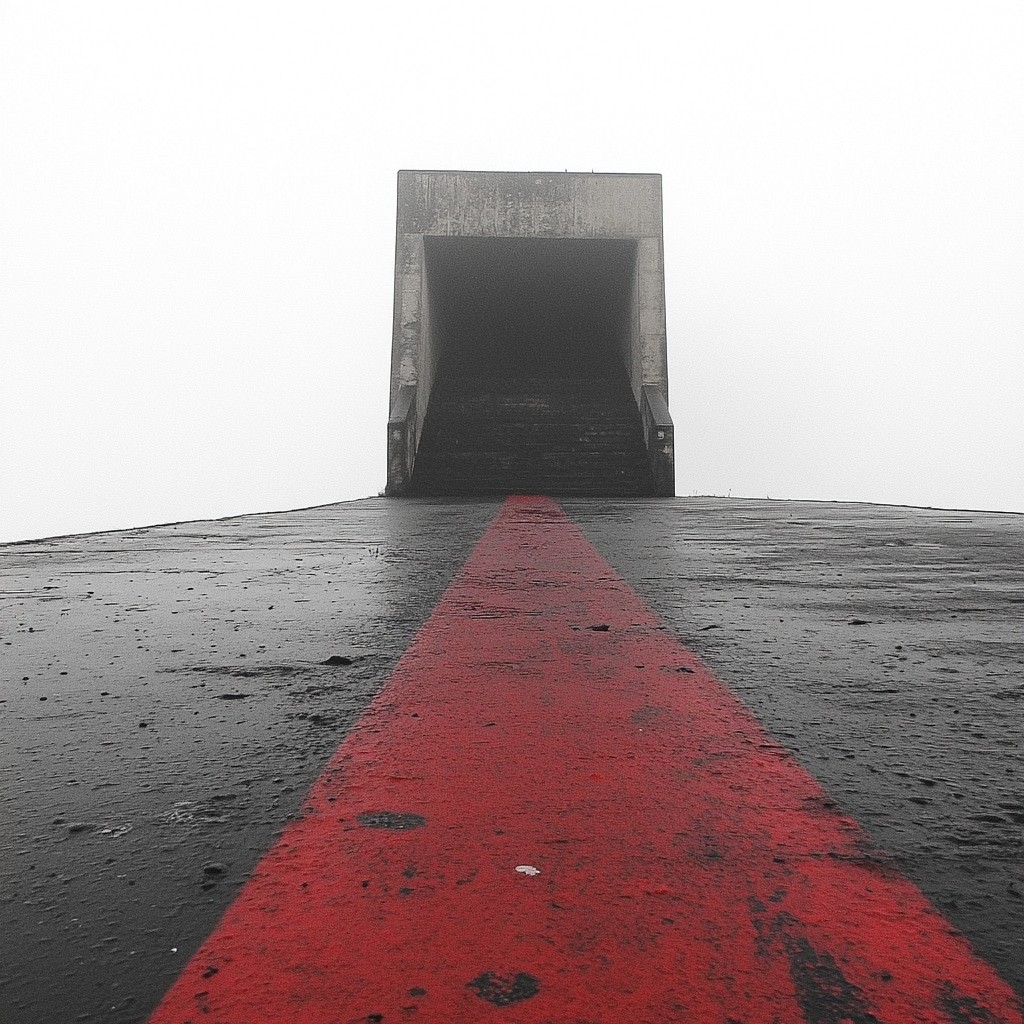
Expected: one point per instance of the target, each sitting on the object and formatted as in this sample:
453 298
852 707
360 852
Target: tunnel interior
528 307
527 345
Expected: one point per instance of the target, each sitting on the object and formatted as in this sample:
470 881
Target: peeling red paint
689 868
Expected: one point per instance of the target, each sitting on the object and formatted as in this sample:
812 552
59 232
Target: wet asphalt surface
885 647
165 703
166 706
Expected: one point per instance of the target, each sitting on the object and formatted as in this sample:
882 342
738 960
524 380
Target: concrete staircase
561 435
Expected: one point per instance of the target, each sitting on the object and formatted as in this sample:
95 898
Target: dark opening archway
528 306
528 340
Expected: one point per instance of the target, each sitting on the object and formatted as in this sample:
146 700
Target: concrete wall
512 204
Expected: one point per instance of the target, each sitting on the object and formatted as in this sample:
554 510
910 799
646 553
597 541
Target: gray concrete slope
885 647
165 702
165 707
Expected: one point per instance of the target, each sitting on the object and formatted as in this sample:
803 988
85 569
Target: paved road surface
166 704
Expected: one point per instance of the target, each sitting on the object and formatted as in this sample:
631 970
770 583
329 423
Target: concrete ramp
636 760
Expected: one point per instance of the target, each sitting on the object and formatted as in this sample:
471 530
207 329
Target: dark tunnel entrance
528 306
528 341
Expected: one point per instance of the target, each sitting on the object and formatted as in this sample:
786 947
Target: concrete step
562 435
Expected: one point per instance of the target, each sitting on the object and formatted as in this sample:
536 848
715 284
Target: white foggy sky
197 236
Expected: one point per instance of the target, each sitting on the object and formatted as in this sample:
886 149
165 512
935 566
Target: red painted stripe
689 868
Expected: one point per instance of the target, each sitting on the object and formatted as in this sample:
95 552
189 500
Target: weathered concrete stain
824 993
503 989
396 821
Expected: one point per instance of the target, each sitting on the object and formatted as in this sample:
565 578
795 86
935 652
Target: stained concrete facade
593 246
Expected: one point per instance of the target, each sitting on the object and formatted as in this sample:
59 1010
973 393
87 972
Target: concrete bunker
528 352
